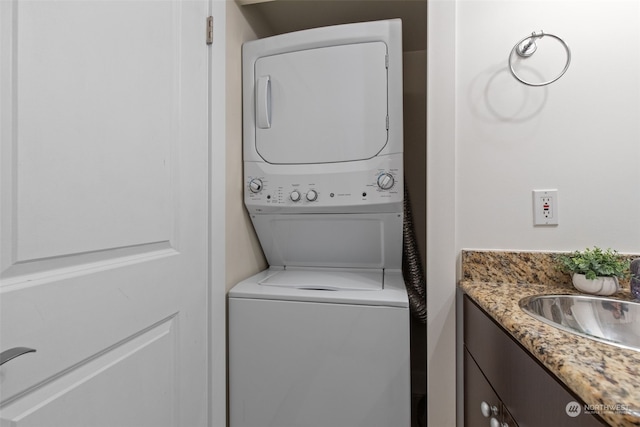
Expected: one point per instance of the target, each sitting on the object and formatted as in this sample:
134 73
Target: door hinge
210 30
387 122
386 61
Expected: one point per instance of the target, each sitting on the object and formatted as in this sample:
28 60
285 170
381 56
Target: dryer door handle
263 102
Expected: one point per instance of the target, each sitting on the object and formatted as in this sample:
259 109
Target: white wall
441 249
491 140
580 134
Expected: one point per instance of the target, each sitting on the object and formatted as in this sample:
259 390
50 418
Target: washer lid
393 294
327 279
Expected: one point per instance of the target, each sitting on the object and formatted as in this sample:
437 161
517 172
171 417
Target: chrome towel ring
527 46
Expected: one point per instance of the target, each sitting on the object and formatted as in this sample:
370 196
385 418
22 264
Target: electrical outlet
545 207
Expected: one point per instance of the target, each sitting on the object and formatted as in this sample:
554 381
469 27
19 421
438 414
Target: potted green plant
595 271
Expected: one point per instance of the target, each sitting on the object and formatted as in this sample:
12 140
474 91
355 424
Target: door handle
12 353
263 102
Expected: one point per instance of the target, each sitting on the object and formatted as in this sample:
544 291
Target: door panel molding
97 123
38 272
114 364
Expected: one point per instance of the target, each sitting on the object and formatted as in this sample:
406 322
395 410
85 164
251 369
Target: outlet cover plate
545 207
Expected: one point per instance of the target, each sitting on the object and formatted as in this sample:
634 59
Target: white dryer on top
322 123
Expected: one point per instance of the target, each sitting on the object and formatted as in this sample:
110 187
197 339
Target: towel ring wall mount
527 47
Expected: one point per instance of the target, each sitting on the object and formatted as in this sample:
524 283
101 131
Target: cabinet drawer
533 396
476 392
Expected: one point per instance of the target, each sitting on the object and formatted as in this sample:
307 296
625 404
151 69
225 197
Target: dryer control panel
375 186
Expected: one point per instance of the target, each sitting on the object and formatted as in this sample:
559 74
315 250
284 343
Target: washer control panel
269 189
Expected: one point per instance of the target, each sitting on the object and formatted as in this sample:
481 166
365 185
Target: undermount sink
602 319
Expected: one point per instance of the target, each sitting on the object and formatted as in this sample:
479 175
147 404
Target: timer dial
386 181
255 185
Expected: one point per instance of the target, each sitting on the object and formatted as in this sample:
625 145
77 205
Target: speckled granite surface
516 267
600 374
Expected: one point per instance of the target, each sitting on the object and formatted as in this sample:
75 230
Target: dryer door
322 105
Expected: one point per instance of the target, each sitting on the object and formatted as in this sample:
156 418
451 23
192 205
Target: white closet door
104 147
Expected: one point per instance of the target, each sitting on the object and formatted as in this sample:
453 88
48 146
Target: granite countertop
602 375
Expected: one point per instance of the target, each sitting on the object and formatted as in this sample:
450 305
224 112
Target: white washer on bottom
319 348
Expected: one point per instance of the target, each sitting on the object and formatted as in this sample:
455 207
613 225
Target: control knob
295 195
312 195
386 181
255 185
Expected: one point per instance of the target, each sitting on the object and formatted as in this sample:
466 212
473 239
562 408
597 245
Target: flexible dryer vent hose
412 269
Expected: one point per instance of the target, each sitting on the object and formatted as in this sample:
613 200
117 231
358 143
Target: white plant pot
598 286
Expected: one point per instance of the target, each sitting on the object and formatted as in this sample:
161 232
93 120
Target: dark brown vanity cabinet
504 386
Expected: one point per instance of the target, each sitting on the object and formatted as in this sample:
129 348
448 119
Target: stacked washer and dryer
321 338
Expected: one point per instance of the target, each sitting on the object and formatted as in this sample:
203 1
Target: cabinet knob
488 410
495 423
